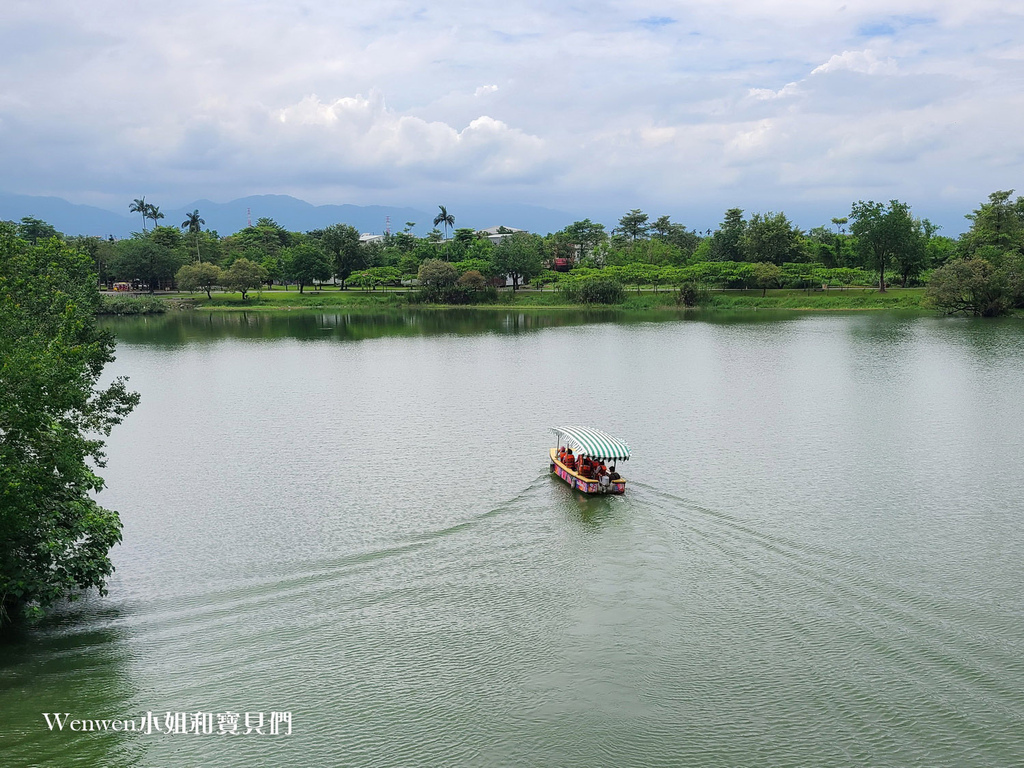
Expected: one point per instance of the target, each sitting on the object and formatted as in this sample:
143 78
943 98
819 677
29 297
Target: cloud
681 107
767 94
363 133
865 62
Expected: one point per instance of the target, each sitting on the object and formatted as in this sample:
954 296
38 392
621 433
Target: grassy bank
853 298
791 299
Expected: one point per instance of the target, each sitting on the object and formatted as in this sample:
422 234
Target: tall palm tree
445 219
139 205
154 214
193 222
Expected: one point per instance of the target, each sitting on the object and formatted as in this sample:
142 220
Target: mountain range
291 213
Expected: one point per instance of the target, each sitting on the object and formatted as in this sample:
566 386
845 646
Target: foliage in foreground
54 538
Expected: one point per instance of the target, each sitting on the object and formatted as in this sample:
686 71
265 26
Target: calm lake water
351 519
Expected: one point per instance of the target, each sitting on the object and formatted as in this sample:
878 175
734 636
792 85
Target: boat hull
584 484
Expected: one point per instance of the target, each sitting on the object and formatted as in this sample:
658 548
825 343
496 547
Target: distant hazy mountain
67 217
297 215
291 213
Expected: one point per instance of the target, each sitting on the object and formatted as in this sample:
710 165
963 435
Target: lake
349 518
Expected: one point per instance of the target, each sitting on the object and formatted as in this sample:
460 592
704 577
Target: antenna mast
387 224
248 217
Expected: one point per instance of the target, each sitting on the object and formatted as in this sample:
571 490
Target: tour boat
595 444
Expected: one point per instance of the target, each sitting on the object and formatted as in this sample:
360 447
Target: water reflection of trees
177 328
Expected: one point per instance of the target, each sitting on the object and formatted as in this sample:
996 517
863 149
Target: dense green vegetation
877 245
54 538
130 305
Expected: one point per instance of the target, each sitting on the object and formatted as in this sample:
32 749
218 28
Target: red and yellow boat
594 444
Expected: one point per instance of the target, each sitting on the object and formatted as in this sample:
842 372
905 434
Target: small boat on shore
596 448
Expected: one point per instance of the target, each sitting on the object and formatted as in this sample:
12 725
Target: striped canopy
592 442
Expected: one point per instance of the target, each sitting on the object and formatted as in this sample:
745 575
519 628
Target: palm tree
139 205
446 219
193 222
154 214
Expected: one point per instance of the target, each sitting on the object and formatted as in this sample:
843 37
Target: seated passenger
570 460
561 453
602 470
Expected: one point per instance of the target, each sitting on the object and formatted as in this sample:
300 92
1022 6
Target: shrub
452 294
594 290
473 280
130 305
435 273
690 294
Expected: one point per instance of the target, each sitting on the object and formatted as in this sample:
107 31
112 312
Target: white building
497 234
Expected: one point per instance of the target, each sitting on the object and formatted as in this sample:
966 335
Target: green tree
199 276
727 241
340 243
193 222
139 205
998 223
266 237
168 237
141 259
910 260
445 219
975 286
770 237
483 266
633 225
546 277
668 231
409 266
272 264
54 538
153 213
883 232
33 230
98 249
519 256
766 275
586 236
244 275
840 222
374 276
435 273
306 264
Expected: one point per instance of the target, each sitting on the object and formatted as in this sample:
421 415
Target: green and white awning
593 442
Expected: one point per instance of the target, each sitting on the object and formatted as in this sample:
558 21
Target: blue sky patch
654 22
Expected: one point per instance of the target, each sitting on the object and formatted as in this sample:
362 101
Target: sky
594 108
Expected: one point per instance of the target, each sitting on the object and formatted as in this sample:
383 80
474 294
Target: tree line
877 243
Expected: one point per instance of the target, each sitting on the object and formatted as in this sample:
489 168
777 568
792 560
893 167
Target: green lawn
796 299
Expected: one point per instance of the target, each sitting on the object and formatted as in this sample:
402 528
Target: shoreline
788 300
